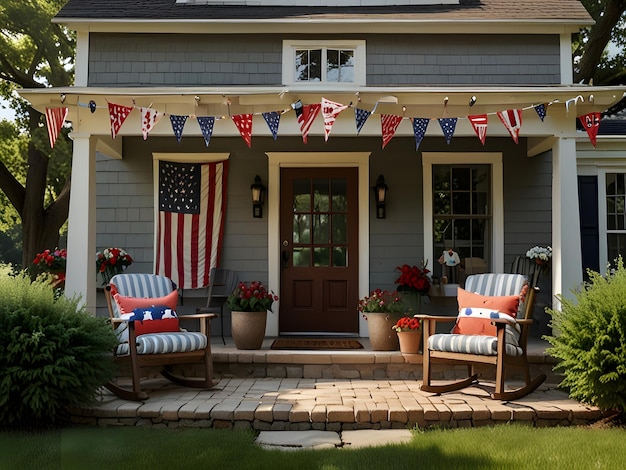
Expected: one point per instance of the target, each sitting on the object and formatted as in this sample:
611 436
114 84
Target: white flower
540 252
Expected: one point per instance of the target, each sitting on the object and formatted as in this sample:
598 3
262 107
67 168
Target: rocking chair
492 329
142 312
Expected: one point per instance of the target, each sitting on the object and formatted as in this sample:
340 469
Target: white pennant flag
330 111
149 119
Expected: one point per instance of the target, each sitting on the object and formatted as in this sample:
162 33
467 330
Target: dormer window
324 62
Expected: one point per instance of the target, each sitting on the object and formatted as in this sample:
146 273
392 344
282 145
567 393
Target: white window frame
289 61
497 194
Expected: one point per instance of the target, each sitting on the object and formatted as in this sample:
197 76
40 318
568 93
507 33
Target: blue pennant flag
419 129
206 126
273 120
447 126
178 123
541 111
361 116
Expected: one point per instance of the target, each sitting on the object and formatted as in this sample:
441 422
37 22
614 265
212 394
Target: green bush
53 353
590 340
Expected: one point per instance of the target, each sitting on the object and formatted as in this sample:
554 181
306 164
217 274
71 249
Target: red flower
407 324
413 278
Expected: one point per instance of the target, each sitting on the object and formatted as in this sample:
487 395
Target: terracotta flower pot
382 336
248 329
410 341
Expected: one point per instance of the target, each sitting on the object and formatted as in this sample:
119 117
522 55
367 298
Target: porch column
566 250
81 236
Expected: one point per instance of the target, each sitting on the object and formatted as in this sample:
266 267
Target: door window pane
301 257
340 256
302 228
321 229
321 256
340 228
340 197
302 195
321 195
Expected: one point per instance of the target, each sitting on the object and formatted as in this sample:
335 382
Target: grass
505 446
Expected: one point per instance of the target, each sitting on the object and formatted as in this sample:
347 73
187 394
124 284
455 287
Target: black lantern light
380 195
258 191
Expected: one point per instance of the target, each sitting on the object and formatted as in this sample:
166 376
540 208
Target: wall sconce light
380 195
258 191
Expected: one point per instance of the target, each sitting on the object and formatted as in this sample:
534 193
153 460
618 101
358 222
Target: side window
324 62
615 184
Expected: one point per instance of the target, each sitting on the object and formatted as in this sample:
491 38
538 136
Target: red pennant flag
479 123
389 123
244 124
512 120
330 111
591 123
118 114
306 115
149 119
55 117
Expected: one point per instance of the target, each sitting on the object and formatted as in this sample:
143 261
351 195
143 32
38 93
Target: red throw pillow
128 304
474 325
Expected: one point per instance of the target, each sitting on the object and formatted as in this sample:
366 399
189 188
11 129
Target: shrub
53 353
590 340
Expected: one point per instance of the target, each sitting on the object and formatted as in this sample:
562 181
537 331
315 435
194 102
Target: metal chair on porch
492 327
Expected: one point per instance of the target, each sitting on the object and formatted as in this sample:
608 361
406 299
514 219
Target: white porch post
566 255
81 237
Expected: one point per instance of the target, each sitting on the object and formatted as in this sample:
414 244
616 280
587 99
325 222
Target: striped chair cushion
498 284
470 344
141 285
164 343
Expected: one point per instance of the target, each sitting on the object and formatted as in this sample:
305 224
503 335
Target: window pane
616 245
340 228
301 195
340 197
441 177
301 257
321 229
461 203
301 228
460 179
346 67
321 256
340 256
441 203
308 65
332 65
321 194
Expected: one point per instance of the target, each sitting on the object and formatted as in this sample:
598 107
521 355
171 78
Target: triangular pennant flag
178 124
541 111
306 115
361 116
273 120
591 123
149 119
55 118
447 126
389 123
244 124
330 111
512 120
118 115
479 123
419 129
206 127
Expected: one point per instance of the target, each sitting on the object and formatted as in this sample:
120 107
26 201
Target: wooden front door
319 251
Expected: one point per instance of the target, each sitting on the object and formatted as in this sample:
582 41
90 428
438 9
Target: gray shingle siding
188 60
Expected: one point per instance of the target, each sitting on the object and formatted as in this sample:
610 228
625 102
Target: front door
319 251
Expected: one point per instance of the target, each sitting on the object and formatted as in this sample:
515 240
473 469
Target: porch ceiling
409 101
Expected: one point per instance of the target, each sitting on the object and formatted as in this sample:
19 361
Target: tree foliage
35 53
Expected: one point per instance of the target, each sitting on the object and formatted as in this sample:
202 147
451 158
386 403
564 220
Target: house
465 108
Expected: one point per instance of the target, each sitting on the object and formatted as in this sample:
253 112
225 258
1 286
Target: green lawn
507 446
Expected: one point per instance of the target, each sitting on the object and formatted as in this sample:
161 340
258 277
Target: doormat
315 343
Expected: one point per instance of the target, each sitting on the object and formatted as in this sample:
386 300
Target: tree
36 53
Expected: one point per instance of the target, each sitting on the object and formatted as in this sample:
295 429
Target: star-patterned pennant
118 115
206 124
541 111
419 129
389 123
447 126
178 124
55 118
244 124
149 118
361 116
330 111
512 120
306 114
591 123
273 120
479 123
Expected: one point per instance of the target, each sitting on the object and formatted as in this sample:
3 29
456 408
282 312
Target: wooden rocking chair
155 342
505 347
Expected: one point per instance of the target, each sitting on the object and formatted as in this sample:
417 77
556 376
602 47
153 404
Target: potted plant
112 261
409 334
541 255
249 303
53 262
382 309
413 282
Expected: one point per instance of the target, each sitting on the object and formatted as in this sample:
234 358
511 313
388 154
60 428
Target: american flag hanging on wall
192 207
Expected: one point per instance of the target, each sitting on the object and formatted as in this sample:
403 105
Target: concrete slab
293 440
375 437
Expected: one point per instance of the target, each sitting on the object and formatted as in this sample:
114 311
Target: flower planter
410 341
248 329
382 336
